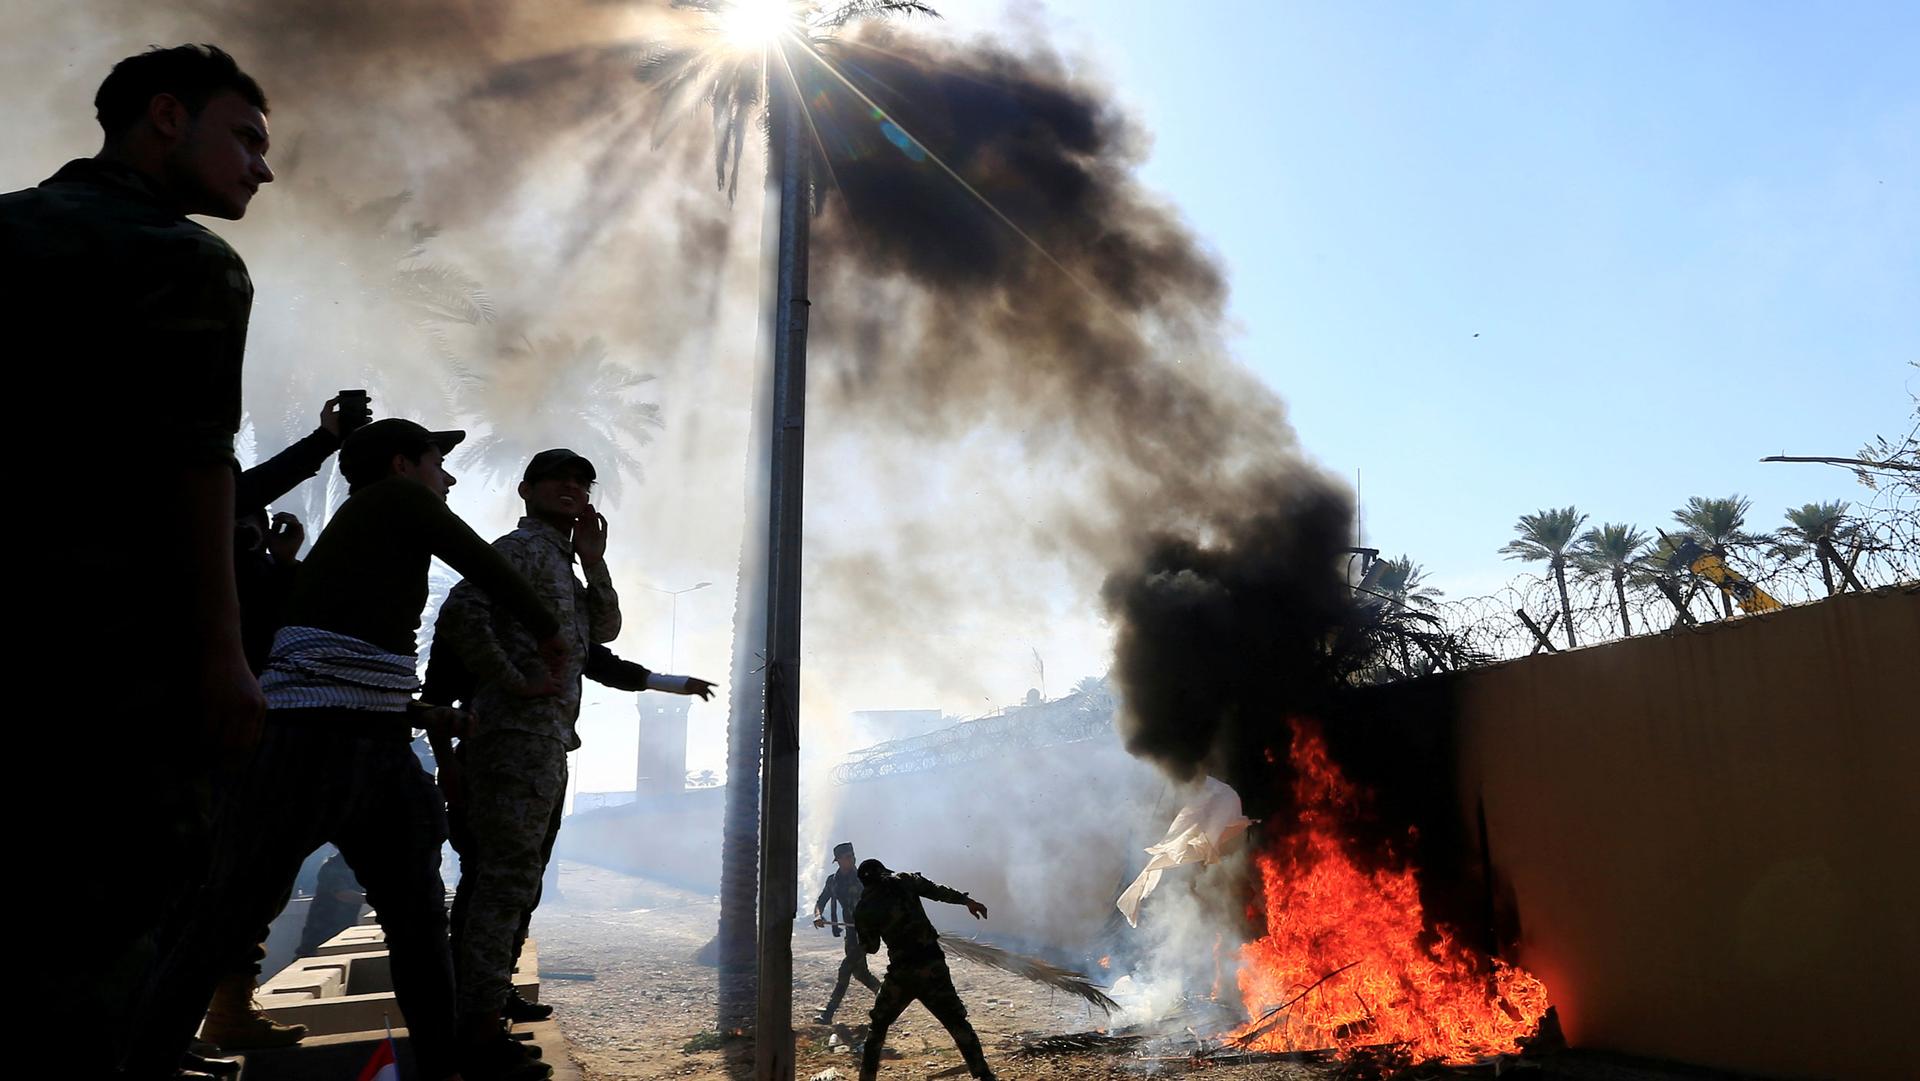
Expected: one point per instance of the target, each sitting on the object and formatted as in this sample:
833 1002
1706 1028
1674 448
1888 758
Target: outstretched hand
699 688
979 910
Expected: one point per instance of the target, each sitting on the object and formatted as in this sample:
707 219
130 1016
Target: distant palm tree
1395 606
1611 550
1403 580
1656 568
548 392
1813 528
388 259
1718 525
1545 537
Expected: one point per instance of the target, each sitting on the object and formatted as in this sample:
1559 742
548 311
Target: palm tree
1717 525
1656 568
557 391
743 58
1611 550
1403 581
1544 537
1396 606
1813 528
388 259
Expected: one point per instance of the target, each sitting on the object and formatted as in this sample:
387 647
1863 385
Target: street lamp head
698 585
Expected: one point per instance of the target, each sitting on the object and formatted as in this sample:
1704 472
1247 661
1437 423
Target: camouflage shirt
504 658
126 323
890 911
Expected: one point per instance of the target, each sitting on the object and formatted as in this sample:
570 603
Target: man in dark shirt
335 763
267 549
266 558
123 311
890 911
838 899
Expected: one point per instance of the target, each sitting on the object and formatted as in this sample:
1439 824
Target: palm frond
1028 968
855 10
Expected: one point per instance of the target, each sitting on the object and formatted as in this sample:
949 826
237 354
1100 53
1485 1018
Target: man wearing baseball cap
842 895
512 769
335 762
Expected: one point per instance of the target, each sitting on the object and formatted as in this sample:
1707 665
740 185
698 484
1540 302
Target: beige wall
1711 837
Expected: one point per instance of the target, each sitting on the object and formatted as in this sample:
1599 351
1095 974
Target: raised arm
934 891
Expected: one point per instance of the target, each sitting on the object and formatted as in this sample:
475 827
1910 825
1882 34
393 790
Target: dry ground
616 959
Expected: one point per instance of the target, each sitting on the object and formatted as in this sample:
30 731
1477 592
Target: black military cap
552 463
872 871
366 454
844 848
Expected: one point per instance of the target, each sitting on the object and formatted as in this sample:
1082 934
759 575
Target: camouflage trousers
515 783
927 980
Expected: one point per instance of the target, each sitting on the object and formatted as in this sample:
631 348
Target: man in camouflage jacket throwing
890 911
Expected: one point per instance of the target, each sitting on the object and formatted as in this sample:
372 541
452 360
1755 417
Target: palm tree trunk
1726 597
1566 606
735 946
773 1043
1620 594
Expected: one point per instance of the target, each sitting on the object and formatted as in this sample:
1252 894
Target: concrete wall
1709 838
675 838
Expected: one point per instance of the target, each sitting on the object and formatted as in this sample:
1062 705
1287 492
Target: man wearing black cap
335 762
513 767
842 895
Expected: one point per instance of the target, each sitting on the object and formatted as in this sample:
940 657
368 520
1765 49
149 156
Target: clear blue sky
1688 235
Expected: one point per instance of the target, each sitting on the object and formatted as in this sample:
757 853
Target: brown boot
234 1023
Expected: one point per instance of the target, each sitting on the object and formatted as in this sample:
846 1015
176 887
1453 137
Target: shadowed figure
890 911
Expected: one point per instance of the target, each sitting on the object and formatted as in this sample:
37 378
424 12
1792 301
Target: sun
753 24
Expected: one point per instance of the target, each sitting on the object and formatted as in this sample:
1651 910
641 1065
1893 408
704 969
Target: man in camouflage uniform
842 894
448 683
890 911
513 769
126 325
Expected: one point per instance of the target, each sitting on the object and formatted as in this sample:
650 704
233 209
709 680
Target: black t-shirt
367 574
126 324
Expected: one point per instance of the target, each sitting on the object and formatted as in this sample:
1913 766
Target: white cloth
1200 834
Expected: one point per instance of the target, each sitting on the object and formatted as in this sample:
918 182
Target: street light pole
773 1043
673 622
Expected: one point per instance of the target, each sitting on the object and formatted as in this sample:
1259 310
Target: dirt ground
616 960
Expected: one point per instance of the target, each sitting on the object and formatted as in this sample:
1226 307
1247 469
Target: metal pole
780 760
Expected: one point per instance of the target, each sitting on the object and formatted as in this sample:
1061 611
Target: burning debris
1348 961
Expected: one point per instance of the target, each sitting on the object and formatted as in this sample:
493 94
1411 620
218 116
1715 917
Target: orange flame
1441 999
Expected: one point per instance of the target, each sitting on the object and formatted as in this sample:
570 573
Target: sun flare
753 24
